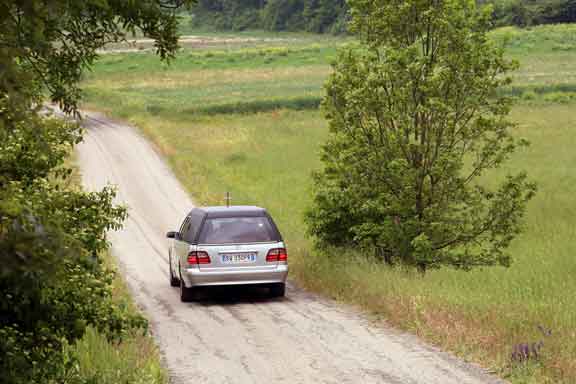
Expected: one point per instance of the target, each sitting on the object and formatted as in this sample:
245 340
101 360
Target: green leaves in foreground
416 122
52 281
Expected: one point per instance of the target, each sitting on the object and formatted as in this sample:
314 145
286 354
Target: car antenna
228 199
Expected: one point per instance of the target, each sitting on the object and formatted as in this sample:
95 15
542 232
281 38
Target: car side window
184 227
193 227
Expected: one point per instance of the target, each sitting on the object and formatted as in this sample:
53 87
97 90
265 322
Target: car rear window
227 230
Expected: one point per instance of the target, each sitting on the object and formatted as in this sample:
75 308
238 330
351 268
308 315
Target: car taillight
196 258
277 254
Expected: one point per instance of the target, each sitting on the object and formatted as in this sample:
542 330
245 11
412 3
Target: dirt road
241 337
195 42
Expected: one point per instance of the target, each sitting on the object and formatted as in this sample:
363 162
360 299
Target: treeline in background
329 16
319 16
524 13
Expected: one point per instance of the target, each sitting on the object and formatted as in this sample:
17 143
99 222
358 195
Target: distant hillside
329 16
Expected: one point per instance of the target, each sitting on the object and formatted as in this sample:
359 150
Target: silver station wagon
236 245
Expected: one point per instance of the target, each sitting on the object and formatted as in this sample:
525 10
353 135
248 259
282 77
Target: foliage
533 12
329 16
55 41
227 14
274 15
52 281
282 15
415 122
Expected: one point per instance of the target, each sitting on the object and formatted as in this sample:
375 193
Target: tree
320 16
416 120
49 43
53 283
282 15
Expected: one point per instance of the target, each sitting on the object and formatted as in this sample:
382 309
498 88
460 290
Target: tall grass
265 157
134 360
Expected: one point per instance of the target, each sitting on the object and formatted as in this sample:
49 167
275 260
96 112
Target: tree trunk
421 268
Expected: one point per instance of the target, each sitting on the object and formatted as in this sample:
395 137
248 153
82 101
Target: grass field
245 120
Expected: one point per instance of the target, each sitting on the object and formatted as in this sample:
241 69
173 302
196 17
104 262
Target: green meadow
245 119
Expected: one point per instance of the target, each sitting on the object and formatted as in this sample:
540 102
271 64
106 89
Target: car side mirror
172 235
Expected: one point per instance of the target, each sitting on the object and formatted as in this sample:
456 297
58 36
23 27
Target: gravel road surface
239 336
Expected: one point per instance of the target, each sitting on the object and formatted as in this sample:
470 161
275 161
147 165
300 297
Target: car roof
232 211
235 211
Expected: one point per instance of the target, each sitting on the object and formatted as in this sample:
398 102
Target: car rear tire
186 294
174 281
278 290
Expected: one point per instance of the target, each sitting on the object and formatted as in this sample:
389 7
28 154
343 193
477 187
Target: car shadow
231 295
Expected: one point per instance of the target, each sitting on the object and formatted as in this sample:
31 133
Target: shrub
300 103
529 95
558 97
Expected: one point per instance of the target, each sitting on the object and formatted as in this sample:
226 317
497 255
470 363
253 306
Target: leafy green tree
416 121
281 15
234 15
321 15
52 281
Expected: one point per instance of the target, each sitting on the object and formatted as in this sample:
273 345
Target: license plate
238 258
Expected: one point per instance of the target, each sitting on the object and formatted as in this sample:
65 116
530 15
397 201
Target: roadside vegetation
135 359
245 120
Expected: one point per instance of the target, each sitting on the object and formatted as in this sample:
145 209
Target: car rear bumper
194 277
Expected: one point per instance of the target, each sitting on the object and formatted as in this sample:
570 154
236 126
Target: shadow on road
231 295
